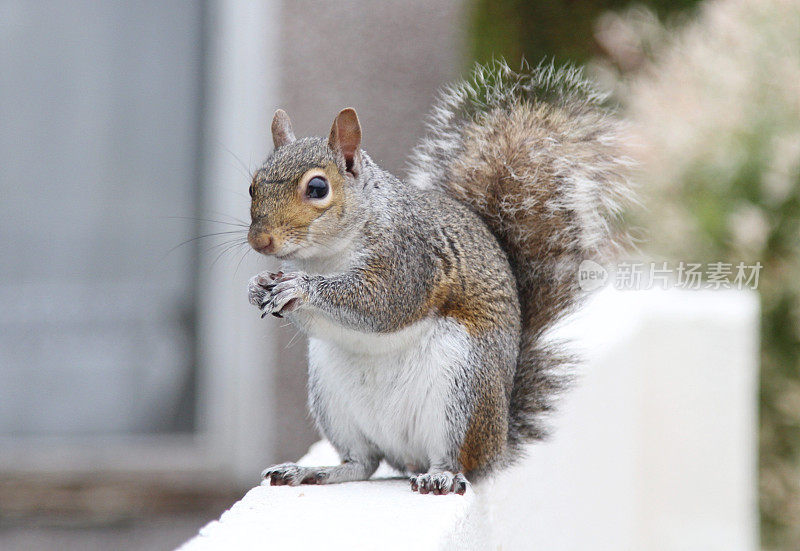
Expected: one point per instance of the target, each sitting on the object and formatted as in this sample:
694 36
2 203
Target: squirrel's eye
251 191
317 188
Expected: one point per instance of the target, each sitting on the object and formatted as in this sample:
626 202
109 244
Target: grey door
100 106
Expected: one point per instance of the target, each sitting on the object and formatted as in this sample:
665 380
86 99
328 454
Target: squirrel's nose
263 243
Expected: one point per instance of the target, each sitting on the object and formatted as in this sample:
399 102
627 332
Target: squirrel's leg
359 458
292 474
359 299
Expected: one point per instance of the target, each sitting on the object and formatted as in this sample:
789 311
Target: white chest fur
389 391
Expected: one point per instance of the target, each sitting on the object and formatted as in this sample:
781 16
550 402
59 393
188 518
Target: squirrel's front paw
278 293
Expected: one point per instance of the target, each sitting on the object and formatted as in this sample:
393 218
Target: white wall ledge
382 513
655 448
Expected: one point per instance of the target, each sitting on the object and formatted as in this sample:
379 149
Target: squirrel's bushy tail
537 155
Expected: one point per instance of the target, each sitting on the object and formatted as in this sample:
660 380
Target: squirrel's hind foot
291 474
441 483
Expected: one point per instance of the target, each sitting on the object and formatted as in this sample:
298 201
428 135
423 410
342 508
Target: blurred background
139 395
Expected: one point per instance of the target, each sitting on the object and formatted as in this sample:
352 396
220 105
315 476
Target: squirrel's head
299 195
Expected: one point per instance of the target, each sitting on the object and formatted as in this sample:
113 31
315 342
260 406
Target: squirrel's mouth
287 252
284 251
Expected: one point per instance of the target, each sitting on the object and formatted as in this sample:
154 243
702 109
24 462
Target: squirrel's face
299 195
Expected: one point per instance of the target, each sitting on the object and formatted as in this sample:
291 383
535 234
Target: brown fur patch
474 314
475 302
488 426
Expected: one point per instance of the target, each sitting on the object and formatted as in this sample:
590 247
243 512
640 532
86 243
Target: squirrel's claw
441 483
258 288
285 474
277 293
291 474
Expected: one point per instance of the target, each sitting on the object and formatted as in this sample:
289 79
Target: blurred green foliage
554 29
717 105
713 97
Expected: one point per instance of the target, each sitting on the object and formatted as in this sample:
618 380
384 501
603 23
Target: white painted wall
654 449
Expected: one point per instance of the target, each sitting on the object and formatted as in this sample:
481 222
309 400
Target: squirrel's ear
345 138
281 129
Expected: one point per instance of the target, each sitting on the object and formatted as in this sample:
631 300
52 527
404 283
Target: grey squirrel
427 302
